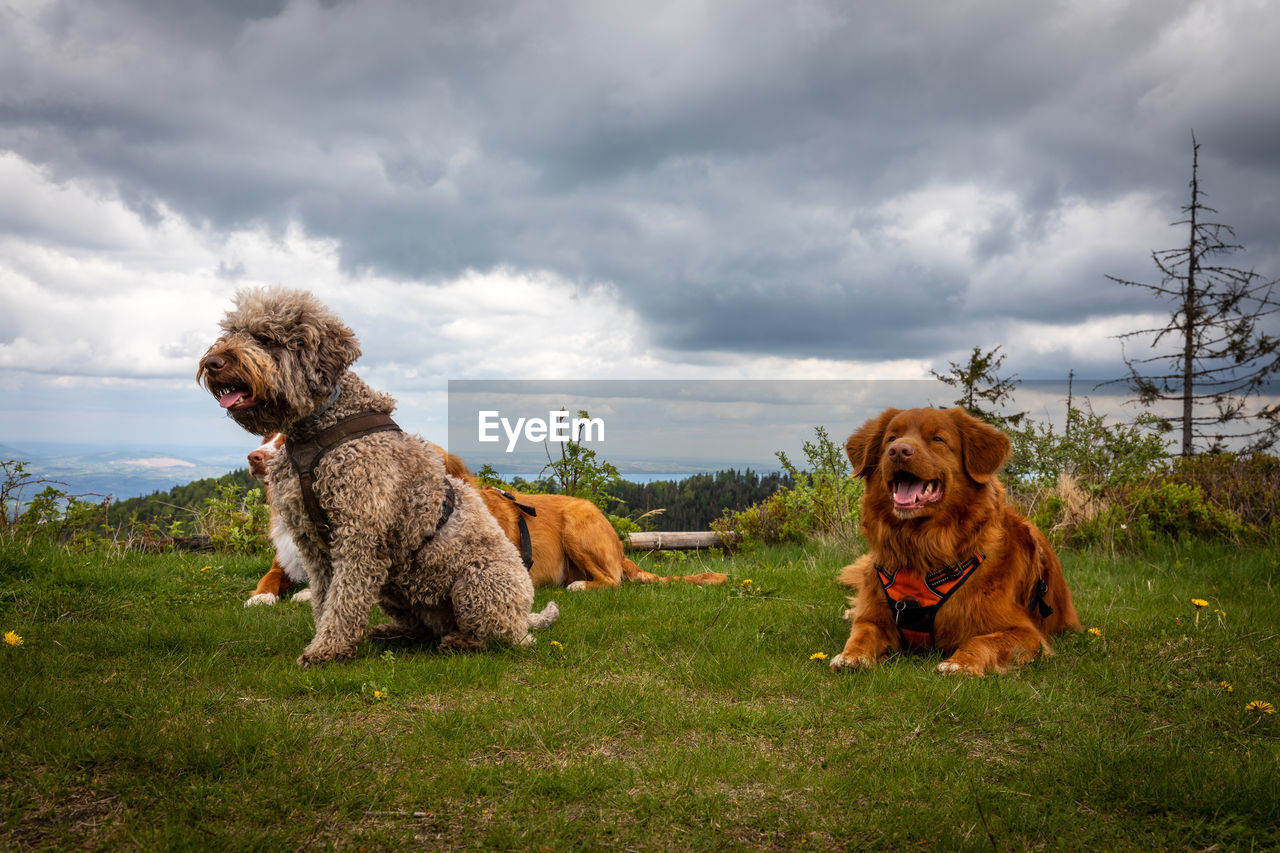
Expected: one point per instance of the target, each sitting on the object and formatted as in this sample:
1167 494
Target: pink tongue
908 492
229 399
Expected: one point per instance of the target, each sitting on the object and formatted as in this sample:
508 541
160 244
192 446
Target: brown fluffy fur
986 625
274 369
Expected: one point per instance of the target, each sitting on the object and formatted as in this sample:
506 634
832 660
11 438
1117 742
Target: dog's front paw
843 661
459 642
312 657
302 595
261 598
577 586
951 666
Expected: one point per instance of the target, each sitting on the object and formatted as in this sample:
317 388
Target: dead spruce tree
1215 357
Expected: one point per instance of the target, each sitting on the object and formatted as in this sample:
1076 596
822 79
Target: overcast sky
604 190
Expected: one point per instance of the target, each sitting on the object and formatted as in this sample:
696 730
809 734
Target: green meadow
143 707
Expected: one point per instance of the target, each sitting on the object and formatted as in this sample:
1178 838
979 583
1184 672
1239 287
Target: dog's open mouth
235 398
910 492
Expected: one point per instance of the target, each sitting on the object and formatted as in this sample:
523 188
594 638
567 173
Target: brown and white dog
951 564
567 541
286 566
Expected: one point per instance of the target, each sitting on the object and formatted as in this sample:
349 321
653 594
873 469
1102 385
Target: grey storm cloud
732 169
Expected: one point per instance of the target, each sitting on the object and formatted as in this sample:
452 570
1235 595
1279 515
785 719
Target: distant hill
119 473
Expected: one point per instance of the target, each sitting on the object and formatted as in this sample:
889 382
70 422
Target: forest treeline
694 502
179 503
688 504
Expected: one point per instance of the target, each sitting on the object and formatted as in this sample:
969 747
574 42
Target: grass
147 709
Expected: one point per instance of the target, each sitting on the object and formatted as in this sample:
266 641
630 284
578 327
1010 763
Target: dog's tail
632 572
548 615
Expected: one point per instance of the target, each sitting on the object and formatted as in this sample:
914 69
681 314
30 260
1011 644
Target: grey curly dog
375 516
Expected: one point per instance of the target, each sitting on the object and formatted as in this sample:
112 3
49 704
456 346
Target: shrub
1098 456
51 515
823 501
1071 484
1166 509
237 521
1248 486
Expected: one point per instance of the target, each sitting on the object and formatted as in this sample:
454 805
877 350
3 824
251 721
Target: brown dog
951 564
572 543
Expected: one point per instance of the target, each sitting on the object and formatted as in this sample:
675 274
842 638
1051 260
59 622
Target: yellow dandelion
1220 612
206 568
818 656
11 638
1257 706
746 582
1226 686
1097 632
377 694
1199 602
557 644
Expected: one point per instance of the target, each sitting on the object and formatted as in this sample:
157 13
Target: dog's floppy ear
337 350
985 447
863 447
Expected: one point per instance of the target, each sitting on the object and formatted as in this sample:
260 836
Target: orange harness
916 600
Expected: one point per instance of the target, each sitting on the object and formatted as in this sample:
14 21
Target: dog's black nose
214 362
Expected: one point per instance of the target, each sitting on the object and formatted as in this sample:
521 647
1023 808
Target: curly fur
949 507
274 369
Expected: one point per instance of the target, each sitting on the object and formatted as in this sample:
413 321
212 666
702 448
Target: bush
1165 509
1248 486
823 501
1100 457
238 521
1072 484
52 515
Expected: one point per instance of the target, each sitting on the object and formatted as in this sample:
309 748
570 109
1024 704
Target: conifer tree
981 386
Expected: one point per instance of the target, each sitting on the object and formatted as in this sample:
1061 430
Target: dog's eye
939 439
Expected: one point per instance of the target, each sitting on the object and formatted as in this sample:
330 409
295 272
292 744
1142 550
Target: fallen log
678 541
178 543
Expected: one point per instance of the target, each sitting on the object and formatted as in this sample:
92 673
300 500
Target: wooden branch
683 541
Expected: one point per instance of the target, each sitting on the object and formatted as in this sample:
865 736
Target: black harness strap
526 545
306 455
1039 602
